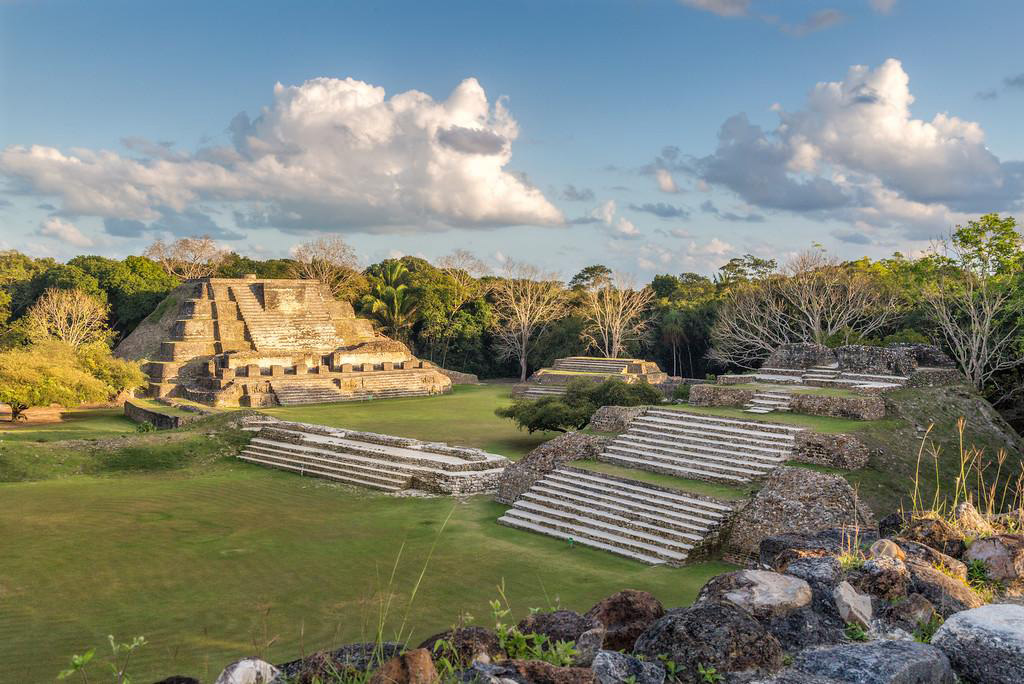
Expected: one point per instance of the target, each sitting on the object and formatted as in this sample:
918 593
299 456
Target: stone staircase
370 460
829 376
767 401
651 524
389 386
700 446
309 328
821 373
541 391
583 364
306 392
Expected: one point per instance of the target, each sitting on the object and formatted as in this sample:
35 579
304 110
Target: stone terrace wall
614 418
857 408
720 395
520 475
800 355
161 421
833 450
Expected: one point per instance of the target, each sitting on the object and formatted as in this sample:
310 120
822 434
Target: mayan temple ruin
553 381
264 342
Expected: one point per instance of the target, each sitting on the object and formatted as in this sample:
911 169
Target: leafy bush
573 410
681 393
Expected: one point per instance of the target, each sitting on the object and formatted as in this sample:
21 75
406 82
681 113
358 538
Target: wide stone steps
626 517
348 475
701 446
711 443
687 451
357 463
306 392
540 391
768 401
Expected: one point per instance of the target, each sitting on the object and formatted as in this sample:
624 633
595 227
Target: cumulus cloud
700 256
666 183
63 231
882 6
329 154
606 214
856 153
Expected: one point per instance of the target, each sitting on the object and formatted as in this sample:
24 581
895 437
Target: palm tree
391 301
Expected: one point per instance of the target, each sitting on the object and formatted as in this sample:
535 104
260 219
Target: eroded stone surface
625 616
761 593
1003 556
878 662
985 644
947 594
852 606
612 667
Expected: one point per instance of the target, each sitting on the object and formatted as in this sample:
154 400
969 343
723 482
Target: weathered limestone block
985 644
857 408
720 395
614 418
834 450
800 355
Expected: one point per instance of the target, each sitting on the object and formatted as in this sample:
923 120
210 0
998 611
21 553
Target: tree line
966 295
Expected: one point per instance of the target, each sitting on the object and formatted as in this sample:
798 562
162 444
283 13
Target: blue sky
650 135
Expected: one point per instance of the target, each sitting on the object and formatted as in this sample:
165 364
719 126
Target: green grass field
166 535
209 567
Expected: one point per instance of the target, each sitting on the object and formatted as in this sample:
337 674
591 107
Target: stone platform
552 381
263 342
369 459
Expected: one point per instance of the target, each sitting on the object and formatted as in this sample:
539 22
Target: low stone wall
572 446
720 395
857 408
800 355
161 421
614 418
449 484
836 451
458 377
935 377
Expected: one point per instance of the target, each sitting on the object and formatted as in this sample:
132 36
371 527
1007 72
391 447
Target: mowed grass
212 566
824 424
74 424
465 416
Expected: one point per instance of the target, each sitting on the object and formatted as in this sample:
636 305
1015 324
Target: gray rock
929 556
248 671
909 613
853 607
718 635
947 594
985 644
878 662
588 645
626 615
885 577
761 593
612 667
1003 556
969 520
357 656
559 625
886 547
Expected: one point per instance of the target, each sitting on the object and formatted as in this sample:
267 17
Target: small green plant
979 580
520 646
145 426
924 631
631 679
120 656
671 669
855 632
709 674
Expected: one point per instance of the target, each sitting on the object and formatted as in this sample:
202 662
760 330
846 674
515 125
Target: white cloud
723 8
329 154
619 226
882 6
666 183
63 231
855 152
626 228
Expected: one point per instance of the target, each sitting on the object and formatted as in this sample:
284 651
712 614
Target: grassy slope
888 479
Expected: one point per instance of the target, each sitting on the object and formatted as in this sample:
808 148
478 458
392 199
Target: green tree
589 277
390 300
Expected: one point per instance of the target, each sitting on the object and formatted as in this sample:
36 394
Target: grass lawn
74 424
719 491
212 566
465 417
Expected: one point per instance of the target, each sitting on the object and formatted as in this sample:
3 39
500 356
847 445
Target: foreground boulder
936 533
1003 556
469 645
796 500
560 625
412 667
778 551
947 594
718 635
625 616
612 667
761 593
248 671
529 672
878 662
985 644
929 556
358 657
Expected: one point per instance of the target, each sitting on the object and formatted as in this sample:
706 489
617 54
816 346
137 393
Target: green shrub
682 392
573 410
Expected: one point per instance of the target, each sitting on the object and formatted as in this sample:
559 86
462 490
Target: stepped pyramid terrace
552 381
264 342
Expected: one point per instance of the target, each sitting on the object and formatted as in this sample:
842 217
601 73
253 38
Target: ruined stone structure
370 460
263 342
552 381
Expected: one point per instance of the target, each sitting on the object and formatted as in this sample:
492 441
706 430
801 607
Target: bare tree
526 300
971 300
330 260
71 316
616 313
188 258
815 299
465 272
